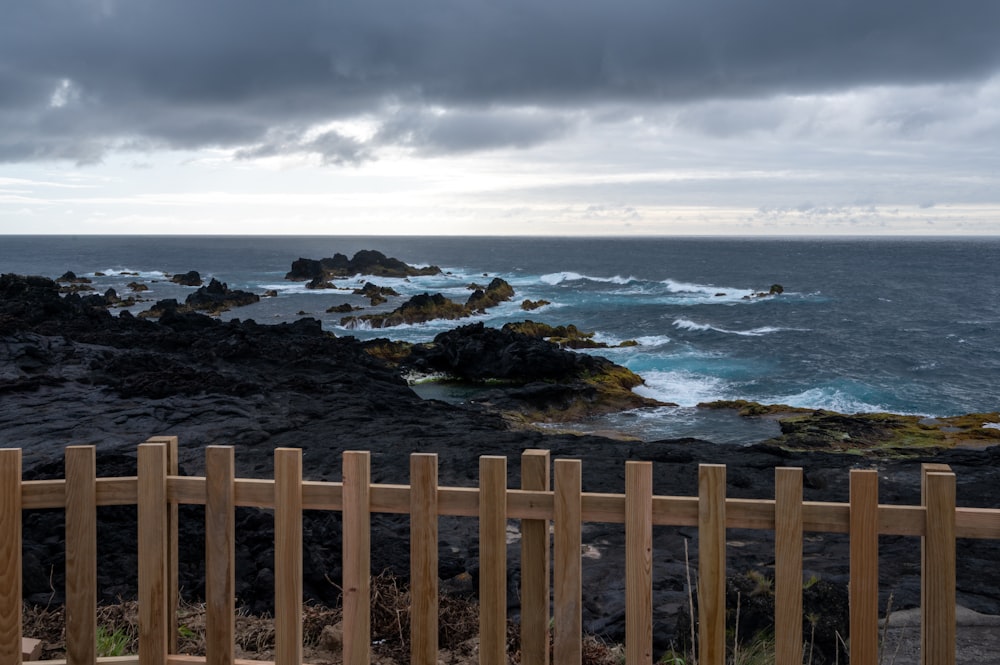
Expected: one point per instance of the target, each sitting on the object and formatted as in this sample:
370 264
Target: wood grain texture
638 562
357 558
288 556
535 564
493 560
173 580
81 555
788 566
423 559
10 556
220 556
712 564
937 556
568 574
864 567
152 536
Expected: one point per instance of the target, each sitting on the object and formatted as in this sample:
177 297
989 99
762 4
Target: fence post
492 560
937 566
10 556
568 625
535 565
81 555
173 584
638 562
152 537
220 556
712 564
288 556
864 567
788 566
357 557
423 559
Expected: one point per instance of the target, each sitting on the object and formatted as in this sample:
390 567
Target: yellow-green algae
808 429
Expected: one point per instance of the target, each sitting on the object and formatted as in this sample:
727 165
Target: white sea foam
687 324
830 399
683 388
653 340
991 425
560 277
141 274
707 289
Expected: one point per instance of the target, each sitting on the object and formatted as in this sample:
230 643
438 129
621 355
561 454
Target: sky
500 117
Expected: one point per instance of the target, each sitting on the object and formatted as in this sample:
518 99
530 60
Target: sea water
862 325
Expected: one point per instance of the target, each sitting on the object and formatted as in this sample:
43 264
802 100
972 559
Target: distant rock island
318 272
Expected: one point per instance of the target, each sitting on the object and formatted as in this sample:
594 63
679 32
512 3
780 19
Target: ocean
863 325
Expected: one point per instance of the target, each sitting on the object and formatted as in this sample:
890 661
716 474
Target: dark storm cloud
79 78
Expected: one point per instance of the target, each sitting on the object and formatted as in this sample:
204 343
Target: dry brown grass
390 630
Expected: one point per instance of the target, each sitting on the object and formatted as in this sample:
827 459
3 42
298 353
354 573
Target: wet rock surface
71 373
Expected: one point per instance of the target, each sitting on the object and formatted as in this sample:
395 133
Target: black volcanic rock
497 292
190 278
218 297
426 307
553 384
74 374
364 262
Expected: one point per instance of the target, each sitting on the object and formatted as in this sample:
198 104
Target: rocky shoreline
73 374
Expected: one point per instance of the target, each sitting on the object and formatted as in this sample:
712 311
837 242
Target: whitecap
129 272
687 324
707 289
559 277
829 399
653 340
682 388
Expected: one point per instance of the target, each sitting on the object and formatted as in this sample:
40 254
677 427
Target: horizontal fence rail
551 514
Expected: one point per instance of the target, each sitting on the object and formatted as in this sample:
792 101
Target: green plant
763 585
111 643
758 651
672 657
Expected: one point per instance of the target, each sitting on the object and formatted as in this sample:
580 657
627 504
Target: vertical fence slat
638 562
492 560
81 555
288 556
220 555
173 583
788 566
152 536
568 624
10 556
864 567
937 569
535 564
712 564
423 559
357 557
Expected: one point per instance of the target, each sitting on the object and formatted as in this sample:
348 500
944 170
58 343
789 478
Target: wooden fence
538 504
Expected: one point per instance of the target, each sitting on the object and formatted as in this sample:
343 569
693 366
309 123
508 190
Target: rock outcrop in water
365 262
425 307
567 337
190 278
214 298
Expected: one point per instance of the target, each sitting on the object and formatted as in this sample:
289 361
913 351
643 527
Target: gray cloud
81 78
